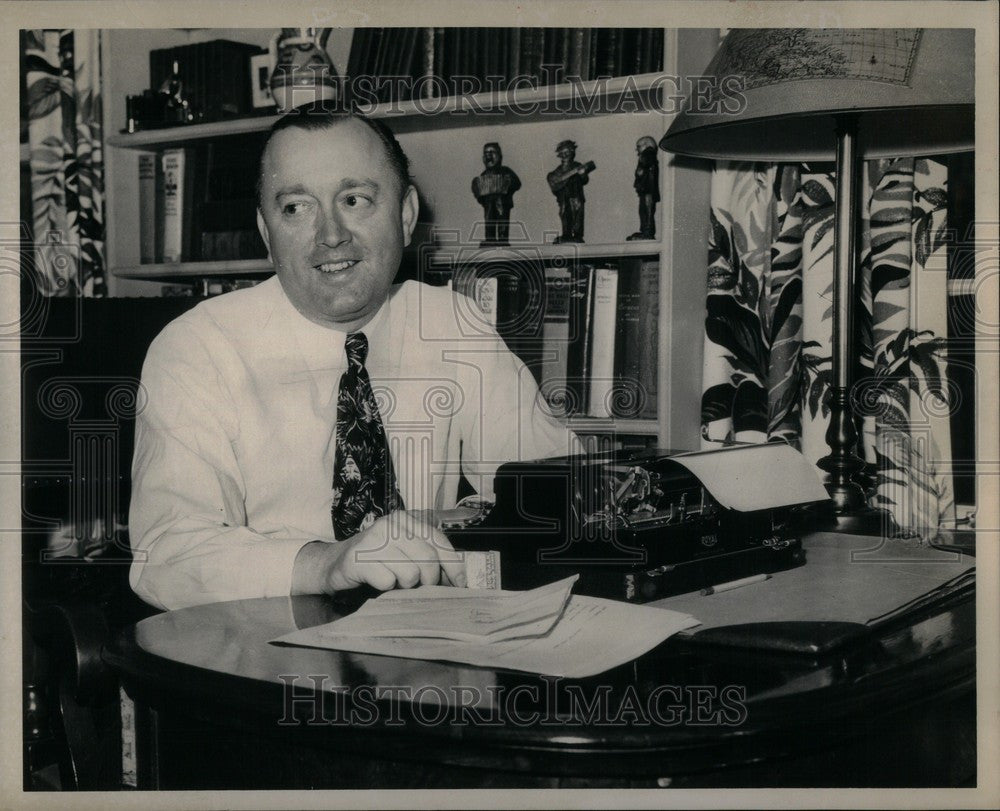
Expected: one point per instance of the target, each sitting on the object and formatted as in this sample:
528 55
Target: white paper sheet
591 636
467 615
755 477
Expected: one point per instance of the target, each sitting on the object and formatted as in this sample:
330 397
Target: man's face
334 221
566 154
491 158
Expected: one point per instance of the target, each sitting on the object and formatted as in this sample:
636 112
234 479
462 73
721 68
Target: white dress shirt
235 442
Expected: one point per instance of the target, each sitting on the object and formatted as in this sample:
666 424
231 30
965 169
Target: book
555 338
427 61
602 341
578 348
150 207
649 315
574 64
630 343
178 204
513 66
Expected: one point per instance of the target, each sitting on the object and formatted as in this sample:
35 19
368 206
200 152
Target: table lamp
791 95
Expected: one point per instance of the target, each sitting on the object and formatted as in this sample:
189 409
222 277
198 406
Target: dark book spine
439 60
410 63
513 66
590 53
537 55
565 49
555 338
641 47
656 43
629 342
620 49
508 308
452 44
605 48
574 64
578 350
649 314
551 46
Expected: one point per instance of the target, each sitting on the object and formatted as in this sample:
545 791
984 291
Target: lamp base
864 521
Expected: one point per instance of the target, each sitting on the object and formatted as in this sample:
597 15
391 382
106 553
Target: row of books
199 203
587 331
440 56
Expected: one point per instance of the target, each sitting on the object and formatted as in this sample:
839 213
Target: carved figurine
494 188
566 182
647 186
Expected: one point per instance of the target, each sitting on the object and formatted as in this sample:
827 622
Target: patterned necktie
364 483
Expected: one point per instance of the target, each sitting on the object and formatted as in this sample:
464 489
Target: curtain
66 160
769 318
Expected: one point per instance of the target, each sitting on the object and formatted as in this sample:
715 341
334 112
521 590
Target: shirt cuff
274 564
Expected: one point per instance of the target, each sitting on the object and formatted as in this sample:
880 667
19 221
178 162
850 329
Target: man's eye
291 209
357 200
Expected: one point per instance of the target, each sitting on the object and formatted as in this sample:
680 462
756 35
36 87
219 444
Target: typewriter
643 525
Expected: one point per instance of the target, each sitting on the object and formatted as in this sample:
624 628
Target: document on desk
463 615
588 636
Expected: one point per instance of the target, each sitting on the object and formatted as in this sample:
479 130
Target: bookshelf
605 117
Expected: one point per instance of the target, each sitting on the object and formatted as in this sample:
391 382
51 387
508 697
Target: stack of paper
443 612
545 630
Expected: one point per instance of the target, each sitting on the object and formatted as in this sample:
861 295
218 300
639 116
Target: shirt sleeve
187 521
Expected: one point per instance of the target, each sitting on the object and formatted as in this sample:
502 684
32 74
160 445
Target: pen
735 584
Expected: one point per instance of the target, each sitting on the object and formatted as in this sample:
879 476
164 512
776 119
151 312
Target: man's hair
494 145
313 117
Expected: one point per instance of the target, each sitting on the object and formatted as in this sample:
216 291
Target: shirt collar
322 348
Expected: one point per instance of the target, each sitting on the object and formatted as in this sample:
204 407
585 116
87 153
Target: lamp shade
773 94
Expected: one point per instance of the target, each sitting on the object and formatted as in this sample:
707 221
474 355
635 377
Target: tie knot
357 349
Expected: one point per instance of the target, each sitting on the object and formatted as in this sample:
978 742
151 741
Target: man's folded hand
400 550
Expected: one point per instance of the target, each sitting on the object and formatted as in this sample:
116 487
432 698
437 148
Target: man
494 188
256 439
566 182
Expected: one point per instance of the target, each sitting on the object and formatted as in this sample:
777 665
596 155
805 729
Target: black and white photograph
440 406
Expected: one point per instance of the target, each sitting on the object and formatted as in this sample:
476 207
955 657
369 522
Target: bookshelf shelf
567 100
600 425
189 271
547 252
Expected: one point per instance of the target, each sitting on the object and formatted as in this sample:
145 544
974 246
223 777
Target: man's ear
262 227
410 211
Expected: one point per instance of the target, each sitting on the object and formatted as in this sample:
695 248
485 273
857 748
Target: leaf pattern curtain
769 323
67 165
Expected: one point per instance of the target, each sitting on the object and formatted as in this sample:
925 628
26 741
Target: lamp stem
843 462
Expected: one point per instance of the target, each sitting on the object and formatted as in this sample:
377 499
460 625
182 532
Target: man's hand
400 550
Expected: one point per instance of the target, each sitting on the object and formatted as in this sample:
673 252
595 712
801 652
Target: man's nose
331 230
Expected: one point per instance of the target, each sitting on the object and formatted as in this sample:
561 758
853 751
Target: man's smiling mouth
335 267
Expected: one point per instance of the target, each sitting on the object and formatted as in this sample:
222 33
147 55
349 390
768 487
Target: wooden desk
219 707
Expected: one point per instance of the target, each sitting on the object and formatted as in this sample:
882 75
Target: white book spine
602 363
173 205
